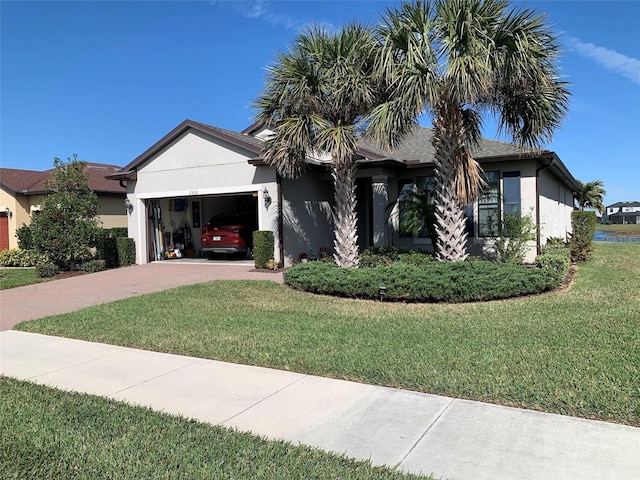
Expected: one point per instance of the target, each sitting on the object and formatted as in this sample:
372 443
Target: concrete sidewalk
414 432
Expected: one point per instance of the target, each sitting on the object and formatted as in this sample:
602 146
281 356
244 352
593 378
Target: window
511 192
417 209
417 204
489 206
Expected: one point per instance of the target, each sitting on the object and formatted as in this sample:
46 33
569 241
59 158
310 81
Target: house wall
307 222
111 211
192 167
556 205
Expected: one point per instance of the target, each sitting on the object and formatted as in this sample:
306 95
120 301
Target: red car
227 233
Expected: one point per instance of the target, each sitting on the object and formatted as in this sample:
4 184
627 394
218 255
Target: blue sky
106 80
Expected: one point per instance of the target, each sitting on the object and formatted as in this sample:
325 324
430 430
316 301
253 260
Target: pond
604 236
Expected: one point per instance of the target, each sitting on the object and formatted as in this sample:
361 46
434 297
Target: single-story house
197 171
22 191
623 212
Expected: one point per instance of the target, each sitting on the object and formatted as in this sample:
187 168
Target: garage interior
175 224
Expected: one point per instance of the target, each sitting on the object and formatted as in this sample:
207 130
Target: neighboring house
623 212
208 170
22 191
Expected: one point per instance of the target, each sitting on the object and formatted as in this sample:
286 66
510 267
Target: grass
629 230
17 277
573 352
47 433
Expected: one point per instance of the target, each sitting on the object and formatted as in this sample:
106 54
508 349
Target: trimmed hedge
385 256
469 281
263 243
126 251
583 225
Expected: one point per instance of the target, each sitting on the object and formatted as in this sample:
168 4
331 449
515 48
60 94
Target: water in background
603 236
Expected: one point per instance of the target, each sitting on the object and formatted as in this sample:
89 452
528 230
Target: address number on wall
193 192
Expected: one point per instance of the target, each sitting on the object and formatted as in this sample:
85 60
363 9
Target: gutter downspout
280 228
538 170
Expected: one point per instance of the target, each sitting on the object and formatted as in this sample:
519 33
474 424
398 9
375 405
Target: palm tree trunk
346 241
450 221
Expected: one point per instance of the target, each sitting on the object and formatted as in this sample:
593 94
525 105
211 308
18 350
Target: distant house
22 191
208 171
623 212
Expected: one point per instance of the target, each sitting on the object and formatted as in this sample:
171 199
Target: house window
417 205
489 206
422 191
511 192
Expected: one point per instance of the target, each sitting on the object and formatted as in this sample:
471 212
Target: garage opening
214 226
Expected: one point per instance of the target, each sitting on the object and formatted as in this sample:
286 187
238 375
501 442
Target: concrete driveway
70 294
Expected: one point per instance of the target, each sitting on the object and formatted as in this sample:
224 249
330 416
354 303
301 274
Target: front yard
47 433
574 352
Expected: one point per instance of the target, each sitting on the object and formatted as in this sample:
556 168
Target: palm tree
591 195
316 99
458 60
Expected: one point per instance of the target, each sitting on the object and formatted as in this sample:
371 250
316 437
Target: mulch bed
75 273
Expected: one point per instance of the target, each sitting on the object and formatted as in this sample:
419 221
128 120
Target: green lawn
17 277
47 433
574 352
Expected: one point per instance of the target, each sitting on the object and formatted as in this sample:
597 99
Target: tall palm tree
591 195
458 60
316 99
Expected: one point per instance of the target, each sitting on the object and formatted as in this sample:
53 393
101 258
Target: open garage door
202 226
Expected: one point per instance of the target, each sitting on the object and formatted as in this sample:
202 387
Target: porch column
379 202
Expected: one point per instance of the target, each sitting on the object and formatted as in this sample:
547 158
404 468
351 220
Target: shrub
263 243
118 232
16 257
25 237
583 225
385 256
511 245
47 269
93 266
479 280
126 251
272 264
107 246
66 228
555 258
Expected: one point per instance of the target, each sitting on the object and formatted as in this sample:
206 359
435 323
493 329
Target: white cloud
610 59
259 10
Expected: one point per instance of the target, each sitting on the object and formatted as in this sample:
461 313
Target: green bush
517 231
16 257
384 256
478 280
118 232
263 243
583 225
555 258
47 269
107 246
126 251
25 237
93 266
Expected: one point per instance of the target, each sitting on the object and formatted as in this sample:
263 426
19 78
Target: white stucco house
198 170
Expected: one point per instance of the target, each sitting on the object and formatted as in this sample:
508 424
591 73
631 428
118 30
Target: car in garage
228 233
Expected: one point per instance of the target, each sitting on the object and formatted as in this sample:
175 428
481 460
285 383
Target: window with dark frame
489 216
